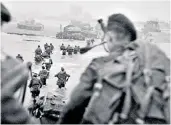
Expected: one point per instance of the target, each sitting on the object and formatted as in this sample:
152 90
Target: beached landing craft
30 25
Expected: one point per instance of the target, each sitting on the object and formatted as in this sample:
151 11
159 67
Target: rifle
86 49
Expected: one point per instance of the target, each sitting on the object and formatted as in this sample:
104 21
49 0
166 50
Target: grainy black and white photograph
85 62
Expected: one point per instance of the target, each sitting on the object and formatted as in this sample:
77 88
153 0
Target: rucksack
131 85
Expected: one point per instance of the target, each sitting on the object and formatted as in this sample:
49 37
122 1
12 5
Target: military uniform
62 78
82 93
38 51
43 76
105 67
75 50
35 85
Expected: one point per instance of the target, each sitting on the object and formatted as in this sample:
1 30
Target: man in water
70 50
45 46
38 51
35 85
62 78
75 50
48 50
48 62
45 54
43 75
19 57
62 47
51 47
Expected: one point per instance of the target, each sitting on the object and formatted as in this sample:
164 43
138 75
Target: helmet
62 69
43 67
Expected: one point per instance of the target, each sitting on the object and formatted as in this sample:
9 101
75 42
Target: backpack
128 87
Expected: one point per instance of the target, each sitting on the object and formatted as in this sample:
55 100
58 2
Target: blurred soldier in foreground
19 57
35 85
125 87
43 75
62 78
14 75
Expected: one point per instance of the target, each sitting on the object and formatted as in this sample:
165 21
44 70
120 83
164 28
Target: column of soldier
129 86
69 49
36 83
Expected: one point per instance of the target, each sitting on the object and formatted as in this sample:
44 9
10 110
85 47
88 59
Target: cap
123 21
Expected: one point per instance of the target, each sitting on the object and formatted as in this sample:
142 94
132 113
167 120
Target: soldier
63 53
62 47
38 51
48 62
19 57
70 50
78 48
14 75
45 55
45 46
38 58
75 50
103 96
51 47
48 50
43 75
62 78
35 85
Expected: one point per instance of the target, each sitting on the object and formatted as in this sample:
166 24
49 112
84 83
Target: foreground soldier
14 75
43 75
125 87
35 85
19 57
62 78
38 51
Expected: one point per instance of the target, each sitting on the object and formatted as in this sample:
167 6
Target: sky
140 10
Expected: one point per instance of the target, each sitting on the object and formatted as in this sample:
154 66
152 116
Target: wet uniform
35 85
43 76
45 46
48 62
38 51
75 50
70 50
62 78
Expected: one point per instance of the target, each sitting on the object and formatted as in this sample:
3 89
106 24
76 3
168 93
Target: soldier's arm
74 110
